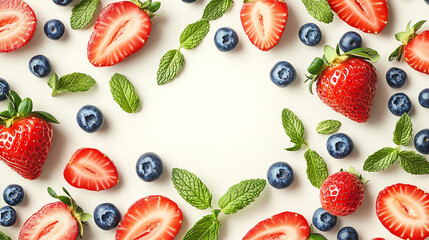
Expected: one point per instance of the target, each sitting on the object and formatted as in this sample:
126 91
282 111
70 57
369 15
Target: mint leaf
240 195
293 128
4 237
413 163
169 66
216 9
191 188
380 160
75 82
403 131
194 34
206 228
82 13
319 9
317 171
328 126
123 93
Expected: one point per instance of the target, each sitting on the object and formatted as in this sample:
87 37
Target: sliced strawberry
366 15
264 21
90 169
151 218
121 29
404 210
54 222
17 24
285 225
416 53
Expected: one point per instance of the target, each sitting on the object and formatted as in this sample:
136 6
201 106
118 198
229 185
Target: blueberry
4 89
350 40
54 29
399 104
40 66
427 2
13 194
323 220
63 2
347 233
280 175
90 118
310 34
149 167
424 97
339 145
7 216
283 74
396 77
189 1
225 39
421 141
107 216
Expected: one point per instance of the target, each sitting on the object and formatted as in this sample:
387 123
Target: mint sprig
319 9
123 93
328 126
82 13
410 161
317 170
195 192
74 82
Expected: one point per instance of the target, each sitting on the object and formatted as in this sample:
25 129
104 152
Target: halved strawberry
151 218
404 210
17 24
366 15
90 169
285 225
264 21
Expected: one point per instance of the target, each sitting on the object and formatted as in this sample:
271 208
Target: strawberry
403 209
346 83
285 225
121 29
90 169
369 16
17 24
25 137
415 47
264 21
55 221
151 218
341 194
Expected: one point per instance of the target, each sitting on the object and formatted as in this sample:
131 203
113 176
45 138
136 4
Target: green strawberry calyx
333 57
353 171
405 37
76 211
21 108
148 7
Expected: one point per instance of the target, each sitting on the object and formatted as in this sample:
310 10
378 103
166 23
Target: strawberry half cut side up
25 136
264 22
151 218
369 16
347 82
90 169
56 221
17 24
414 48
403 209
121 29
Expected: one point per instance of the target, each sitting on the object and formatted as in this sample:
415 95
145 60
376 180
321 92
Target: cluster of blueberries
12 195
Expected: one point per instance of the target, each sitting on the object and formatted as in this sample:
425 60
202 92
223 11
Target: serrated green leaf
366 53
328 126
216 9
25 107
194 34
293 128
123 93
169 66
206 228
319 9
45 116
4 237
380 160
82 13
413 163
403 131
191 188
317 171
240 195
74 82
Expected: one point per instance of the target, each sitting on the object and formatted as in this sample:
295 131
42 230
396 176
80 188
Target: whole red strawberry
342 193
347 83
25 137
415 48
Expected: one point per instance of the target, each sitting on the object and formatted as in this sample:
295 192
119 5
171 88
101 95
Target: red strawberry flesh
416 53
